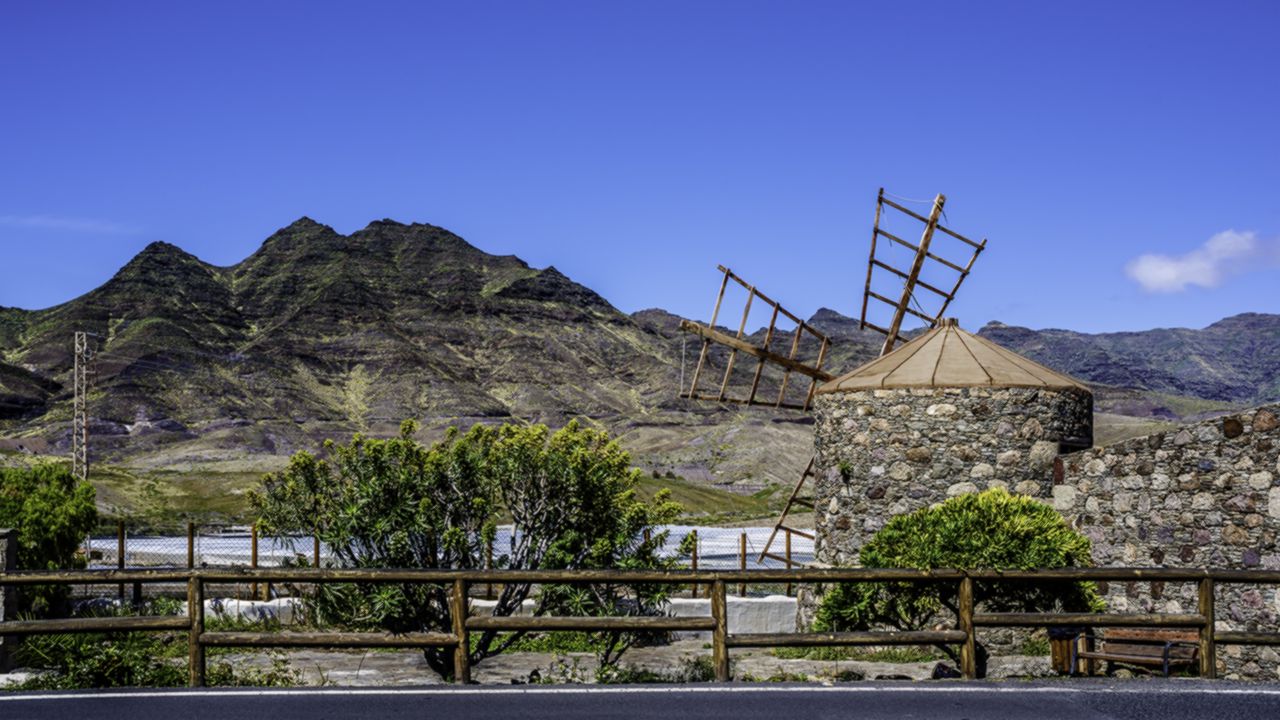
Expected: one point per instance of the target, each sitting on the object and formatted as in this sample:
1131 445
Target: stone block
940 410
1265 420
1261 480
1064 497
1009 457
1027 487
961 488
981 471
1273 502
1042 454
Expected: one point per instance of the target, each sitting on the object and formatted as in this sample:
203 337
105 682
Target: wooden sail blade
924 256
804 340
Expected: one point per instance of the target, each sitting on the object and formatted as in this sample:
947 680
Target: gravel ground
406 667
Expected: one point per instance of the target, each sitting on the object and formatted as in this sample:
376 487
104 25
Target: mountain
1235 361
205 369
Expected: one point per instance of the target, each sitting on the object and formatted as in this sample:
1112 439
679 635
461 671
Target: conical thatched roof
947 356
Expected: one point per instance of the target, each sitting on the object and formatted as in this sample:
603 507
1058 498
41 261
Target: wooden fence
964 634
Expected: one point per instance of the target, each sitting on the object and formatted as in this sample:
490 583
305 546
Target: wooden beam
871 261
846 639
591 624
963 274
887 301
95 625
328 639
922 219
903 275
913 274
1095 619
768 338
733 353
742 346
706 344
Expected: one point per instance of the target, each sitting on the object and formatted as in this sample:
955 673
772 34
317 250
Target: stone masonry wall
882 453
1206 495
8 594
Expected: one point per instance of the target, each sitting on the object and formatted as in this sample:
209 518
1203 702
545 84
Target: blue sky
1121 157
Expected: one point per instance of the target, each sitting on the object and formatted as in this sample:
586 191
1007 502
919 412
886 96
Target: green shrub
570 495
138 659
993 529
52 511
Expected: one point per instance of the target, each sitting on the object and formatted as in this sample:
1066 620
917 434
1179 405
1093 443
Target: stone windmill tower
945 413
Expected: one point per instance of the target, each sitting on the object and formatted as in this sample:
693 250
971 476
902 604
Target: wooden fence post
120 554
253 559
693 562
191 545
968 650
1208 648
315 550
462 651
742 561
195 651
788 555
488 565
719 635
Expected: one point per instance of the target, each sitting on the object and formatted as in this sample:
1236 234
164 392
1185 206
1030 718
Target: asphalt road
1165 700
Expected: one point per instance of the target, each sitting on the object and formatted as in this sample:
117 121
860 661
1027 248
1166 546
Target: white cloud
56 222
1228 253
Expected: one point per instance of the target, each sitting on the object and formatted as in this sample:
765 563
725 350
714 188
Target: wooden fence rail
968 619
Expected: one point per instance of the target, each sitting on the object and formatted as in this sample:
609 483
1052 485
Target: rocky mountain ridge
318 334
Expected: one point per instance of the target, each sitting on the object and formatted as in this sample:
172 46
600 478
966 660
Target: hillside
205 371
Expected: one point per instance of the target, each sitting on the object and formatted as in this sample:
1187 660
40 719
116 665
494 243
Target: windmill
809 348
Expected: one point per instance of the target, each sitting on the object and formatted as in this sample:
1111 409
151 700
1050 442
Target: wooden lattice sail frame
911 276
790 363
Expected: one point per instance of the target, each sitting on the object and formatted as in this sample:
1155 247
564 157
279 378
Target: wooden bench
1161 648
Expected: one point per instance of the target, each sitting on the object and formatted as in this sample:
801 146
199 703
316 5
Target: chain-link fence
195 546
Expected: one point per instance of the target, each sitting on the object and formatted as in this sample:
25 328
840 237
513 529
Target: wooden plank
786 509
95 625
913 274
768 338
786 376
961 238
887 301
871 262
706 343
743 401
963 274
846 639
748 348
763 298
328 639
813 384
903 275
733 353
93 577
591 624
1236 637
884 331
1087 619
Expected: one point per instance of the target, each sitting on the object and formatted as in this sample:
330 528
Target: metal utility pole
80 415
